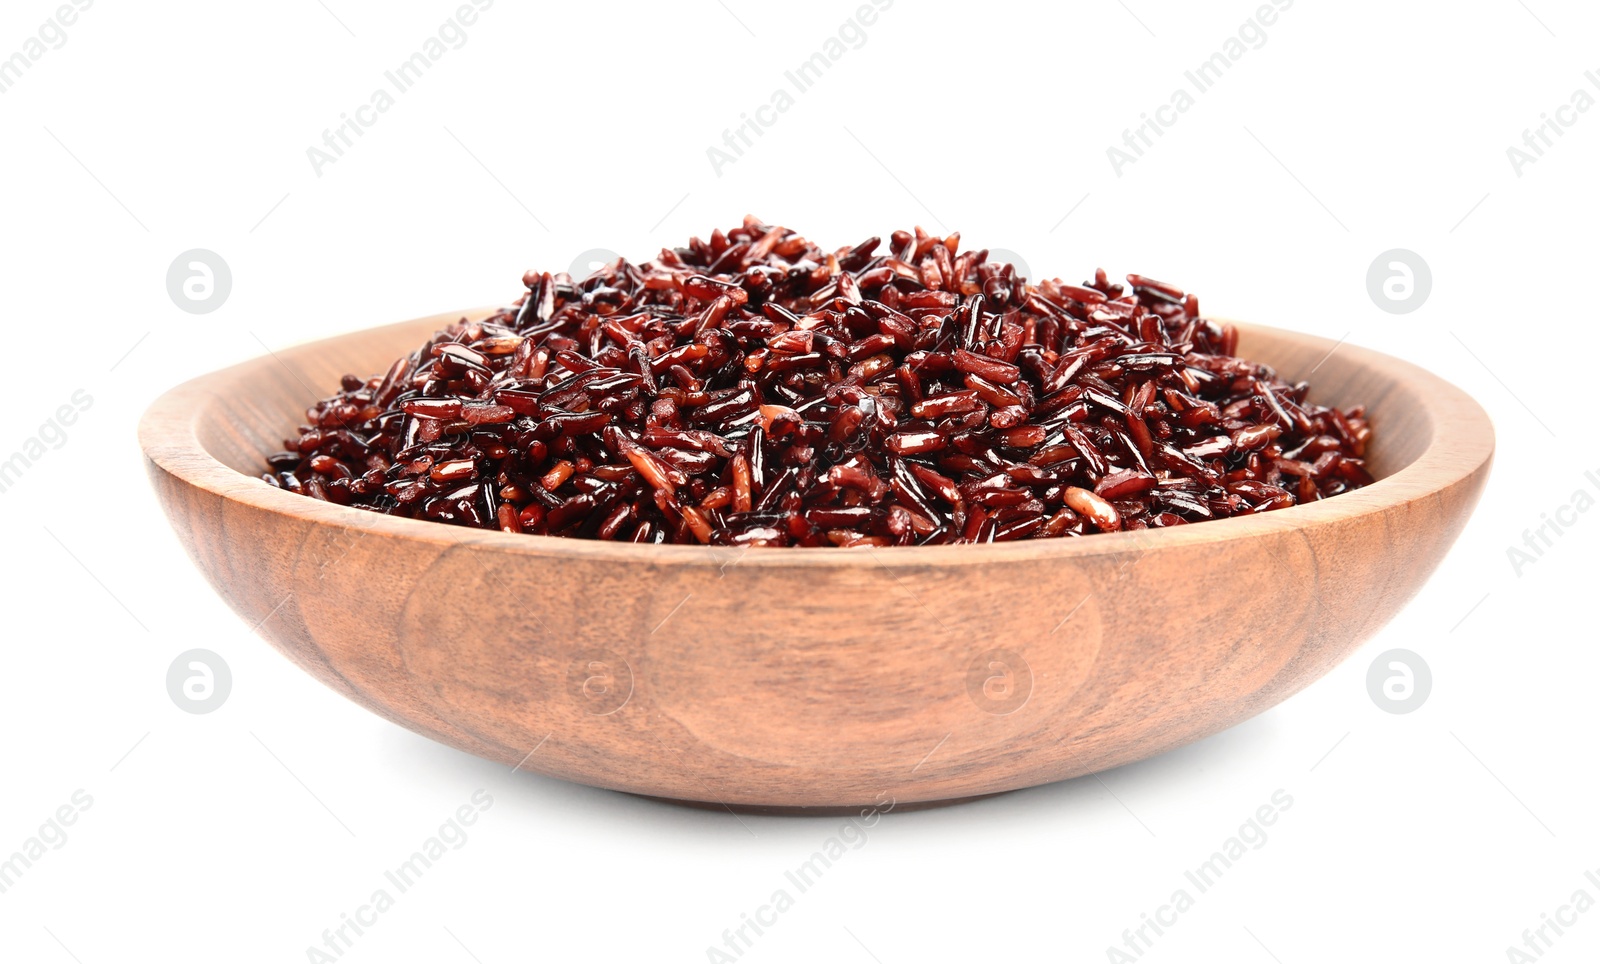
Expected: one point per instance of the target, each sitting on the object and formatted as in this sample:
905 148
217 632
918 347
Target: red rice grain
755 389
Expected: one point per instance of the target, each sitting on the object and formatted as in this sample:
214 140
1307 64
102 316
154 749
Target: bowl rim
1461 443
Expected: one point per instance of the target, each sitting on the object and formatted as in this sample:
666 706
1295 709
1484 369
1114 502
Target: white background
1358 127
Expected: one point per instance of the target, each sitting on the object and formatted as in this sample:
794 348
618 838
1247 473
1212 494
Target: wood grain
815 678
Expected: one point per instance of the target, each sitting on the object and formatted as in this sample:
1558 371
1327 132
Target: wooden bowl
812 678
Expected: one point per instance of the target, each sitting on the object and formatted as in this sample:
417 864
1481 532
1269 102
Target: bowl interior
268 402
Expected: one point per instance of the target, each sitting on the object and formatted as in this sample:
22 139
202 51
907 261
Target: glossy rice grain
754 389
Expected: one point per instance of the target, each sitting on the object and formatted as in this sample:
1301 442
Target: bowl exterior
810 678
